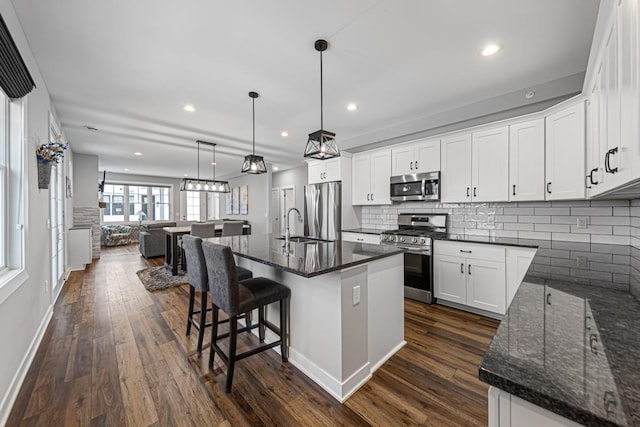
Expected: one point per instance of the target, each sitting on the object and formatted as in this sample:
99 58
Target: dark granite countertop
364 231
304 259
570 339
502 241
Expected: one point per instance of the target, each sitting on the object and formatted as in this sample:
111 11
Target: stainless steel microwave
420 186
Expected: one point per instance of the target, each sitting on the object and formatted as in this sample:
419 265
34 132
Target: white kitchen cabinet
565 153
470 274
490 165
371 177
325 170
351 236
79 241
455 179
526 161
450 280
506 410
419 157
518 262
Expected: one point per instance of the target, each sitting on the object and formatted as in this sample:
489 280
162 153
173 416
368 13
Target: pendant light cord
254 125
321 98
198 160
214 162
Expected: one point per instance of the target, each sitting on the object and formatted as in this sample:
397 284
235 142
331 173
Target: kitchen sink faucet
287 233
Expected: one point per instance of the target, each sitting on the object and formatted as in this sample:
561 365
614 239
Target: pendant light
252 163
322 143
198 184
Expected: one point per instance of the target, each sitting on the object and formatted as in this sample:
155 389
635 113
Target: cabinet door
613 97
526 161
455 179
450 278
490 165
316 171
333 169
565 154
380 177
594 164
427 156
361 179
486 287
402 160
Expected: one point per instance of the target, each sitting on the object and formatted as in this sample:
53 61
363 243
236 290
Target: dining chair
232 228
235 297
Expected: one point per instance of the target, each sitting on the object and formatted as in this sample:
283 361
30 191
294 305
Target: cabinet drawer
373 239
469 250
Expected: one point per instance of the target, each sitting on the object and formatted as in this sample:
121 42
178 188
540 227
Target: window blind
15 79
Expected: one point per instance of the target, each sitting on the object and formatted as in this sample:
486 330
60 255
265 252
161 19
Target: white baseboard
387 356
12 393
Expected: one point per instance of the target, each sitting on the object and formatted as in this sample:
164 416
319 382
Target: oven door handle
416 251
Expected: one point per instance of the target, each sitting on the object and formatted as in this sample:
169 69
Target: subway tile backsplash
606 223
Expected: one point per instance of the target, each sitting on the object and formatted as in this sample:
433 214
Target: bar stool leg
261 323
283 329
192 295
214 334
203 319
233 335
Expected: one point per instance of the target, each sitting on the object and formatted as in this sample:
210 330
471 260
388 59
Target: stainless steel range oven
414 236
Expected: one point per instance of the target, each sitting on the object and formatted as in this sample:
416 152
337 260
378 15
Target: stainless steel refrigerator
323 211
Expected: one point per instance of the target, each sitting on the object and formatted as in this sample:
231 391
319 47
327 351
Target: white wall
259 199
85 180
298 178
25 312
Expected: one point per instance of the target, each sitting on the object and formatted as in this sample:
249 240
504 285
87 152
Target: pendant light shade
252 163
321 143
207 185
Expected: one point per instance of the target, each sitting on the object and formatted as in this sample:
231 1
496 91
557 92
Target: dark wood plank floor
115 355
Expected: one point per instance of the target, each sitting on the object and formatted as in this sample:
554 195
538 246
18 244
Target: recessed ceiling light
186 174
213 163
352 107
126 170
190 108
275 168
137 153
530 94
284 133
490 49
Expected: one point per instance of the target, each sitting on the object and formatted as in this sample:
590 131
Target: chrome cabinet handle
549 298
416 165
549 187
411 165
474 192
465 252
468 191
591 176
360 240
469 269
514 189
461 268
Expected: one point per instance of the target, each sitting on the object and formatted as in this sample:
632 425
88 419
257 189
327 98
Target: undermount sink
300 239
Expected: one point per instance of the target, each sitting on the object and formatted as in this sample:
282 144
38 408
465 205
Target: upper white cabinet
475 167
418 157
526 161
490 165
455 179
565 156
371 177
325 170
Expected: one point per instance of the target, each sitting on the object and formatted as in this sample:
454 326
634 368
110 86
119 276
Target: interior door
276 229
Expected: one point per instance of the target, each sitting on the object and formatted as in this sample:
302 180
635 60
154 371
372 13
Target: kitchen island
346 307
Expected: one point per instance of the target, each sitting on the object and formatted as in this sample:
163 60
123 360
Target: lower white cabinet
506 410
79 241
470 274
351 236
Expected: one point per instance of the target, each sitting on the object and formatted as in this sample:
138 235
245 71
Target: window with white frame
135 202
193 206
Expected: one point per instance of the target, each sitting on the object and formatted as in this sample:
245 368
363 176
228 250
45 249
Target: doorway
283 199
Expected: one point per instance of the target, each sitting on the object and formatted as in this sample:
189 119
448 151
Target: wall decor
228 207
236 201
244 200
47 155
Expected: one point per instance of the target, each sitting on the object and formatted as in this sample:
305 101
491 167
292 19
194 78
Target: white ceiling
128 68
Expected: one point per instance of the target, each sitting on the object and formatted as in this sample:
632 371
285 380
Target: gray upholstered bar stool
232 228
235 297
198 229
198 281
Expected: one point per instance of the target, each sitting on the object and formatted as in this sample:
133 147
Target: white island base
335 340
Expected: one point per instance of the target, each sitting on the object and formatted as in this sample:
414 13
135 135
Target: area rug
158 278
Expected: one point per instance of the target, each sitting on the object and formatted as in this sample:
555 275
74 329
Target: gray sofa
152 238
